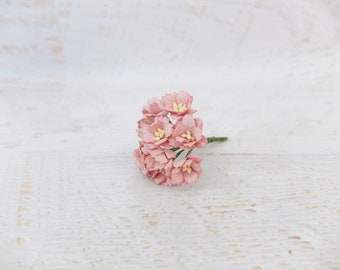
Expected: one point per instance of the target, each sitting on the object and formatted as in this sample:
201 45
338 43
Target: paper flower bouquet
168 133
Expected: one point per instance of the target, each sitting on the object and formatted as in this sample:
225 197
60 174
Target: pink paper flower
188 133
146 121
178 104
154 108
186 171
157 133
154 162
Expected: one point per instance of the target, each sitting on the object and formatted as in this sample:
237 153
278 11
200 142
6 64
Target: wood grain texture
74 76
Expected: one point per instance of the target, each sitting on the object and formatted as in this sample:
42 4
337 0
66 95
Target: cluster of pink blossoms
166 131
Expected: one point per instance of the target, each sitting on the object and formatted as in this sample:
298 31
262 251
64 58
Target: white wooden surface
73 78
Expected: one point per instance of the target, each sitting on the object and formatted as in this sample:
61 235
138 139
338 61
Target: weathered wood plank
247 211
73 78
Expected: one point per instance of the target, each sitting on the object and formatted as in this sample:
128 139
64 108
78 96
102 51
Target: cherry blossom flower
188 133
154 162
157 133
153 108
178 104
186 171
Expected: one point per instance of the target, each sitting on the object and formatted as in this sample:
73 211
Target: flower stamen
187 169
159 134
187 135
178 108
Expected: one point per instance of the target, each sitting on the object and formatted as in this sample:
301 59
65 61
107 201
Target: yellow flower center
187 135
159 134
187 169
178 108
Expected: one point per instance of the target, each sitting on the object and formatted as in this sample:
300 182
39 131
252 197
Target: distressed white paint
73 78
